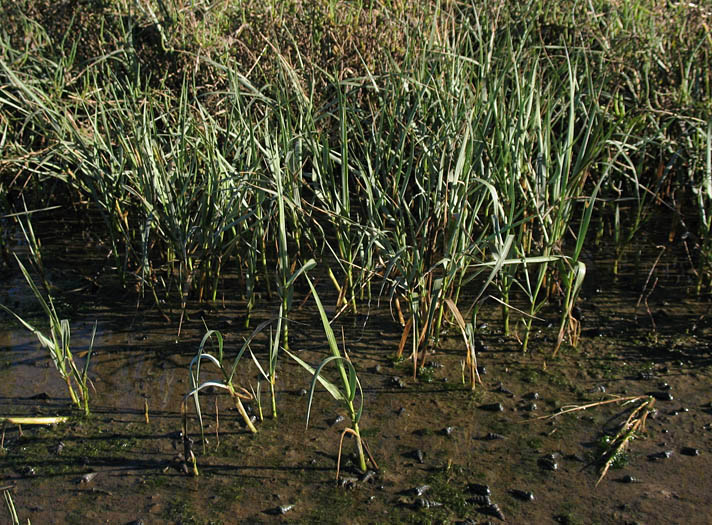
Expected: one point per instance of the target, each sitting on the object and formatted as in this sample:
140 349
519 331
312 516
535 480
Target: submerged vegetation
441 157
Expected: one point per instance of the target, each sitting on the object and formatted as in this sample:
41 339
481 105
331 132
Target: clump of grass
227 371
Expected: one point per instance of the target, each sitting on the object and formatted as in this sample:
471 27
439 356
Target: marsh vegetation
431 210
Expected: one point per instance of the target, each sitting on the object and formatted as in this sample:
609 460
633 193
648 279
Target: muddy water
115 467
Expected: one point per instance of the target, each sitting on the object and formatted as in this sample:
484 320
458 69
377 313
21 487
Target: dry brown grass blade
471 357
576 408
341 443
627 433
406 330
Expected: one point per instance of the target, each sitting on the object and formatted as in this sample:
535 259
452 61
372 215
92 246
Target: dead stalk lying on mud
628 430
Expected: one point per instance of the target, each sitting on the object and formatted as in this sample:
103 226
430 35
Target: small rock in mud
479 489
522 495
690 451
493 407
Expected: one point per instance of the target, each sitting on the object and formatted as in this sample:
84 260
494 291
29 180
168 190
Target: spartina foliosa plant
346 389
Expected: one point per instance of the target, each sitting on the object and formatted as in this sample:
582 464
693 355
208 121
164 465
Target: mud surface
432 434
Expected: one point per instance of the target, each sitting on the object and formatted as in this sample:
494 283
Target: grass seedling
350 385
270 374
58 342
237 394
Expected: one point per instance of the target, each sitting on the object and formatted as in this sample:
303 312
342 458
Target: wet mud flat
445 453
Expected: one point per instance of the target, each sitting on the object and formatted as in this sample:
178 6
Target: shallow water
246 478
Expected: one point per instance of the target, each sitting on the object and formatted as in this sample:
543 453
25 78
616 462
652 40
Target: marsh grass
348 379
226 381
58 341
470 154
